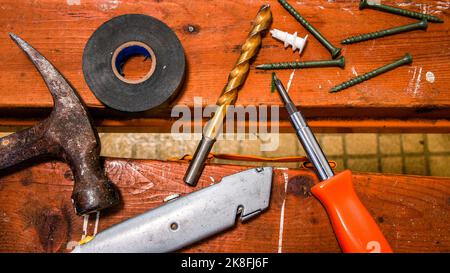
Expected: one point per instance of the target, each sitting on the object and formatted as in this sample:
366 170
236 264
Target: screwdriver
354 227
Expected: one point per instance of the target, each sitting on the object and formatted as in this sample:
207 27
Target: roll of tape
116 41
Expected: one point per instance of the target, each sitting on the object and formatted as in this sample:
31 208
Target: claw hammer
67 134
353 225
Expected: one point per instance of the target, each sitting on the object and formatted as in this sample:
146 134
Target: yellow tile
332 144
288 145
361 144
439 142
145 150
190 145
168 147
227 146
415 165
391 165
390 144
439 166
116 144
145 146
363 164
412 143
251 147
339 163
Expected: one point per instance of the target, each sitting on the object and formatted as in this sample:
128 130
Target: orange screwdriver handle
354 227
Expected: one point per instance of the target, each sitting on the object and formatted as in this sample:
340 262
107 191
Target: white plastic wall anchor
290 39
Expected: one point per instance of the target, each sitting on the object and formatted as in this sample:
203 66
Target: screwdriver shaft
305 135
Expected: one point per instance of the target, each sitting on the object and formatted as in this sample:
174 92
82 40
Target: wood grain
36 213
212 32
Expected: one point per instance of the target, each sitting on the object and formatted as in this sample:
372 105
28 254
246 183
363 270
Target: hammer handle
23 145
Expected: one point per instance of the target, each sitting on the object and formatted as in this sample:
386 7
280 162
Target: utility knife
190 218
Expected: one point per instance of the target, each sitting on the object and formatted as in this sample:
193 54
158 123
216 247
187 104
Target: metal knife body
188 219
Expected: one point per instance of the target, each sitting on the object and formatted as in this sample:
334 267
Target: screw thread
382 33
308 64
332 49
407 59
295 14
399 11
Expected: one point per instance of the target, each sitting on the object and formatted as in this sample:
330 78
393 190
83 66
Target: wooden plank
36 212
60 29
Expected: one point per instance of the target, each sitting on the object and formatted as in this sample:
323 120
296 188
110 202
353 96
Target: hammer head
67 134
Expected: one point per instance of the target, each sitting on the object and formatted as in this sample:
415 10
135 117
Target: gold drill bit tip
229 94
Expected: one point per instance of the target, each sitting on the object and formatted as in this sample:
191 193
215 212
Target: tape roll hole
133 62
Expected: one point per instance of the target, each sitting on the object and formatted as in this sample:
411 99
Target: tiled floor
417 154
420 154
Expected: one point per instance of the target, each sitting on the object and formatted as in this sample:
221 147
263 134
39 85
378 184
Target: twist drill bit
340 62
382 33
407 59
229 94
403 12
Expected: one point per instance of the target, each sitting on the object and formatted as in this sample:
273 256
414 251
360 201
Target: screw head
335 52
341 62
423 24
408 58
363 4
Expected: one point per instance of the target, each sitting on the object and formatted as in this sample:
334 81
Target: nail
333 50
407 59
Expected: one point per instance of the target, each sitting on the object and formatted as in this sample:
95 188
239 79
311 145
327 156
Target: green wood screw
308 64
365 4
386 32
333 50
407 59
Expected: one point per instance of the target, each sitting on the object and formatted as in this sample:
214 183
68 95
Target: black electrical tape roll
124 36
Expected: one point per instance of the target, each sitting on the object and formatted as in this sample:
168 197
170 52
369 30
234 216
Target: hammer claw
56 83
